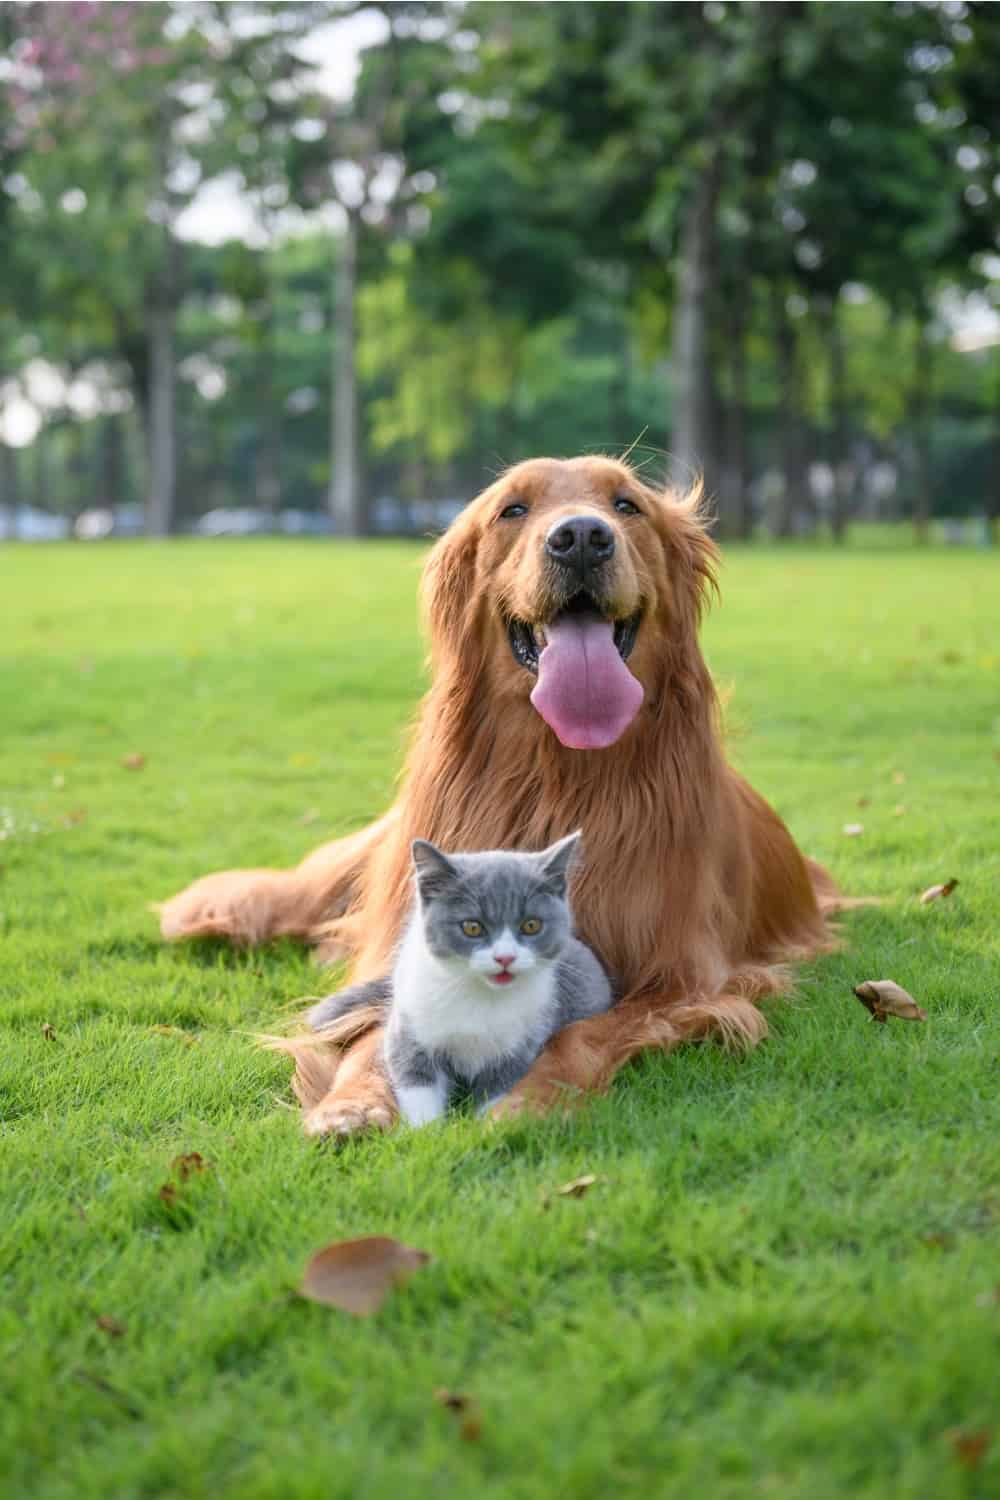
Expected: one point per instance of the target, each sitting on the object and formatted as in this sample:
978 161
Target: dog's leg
359 1097
586 1056
253 906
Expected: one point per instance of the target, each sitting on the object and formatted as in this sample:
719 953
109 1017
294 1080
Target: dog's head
571 586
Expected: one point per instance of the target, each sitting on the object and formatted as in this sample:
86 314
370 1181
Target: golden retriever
568 691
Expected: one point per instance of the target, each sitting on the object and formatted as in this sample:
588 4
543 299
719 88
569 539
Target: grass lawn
786 1281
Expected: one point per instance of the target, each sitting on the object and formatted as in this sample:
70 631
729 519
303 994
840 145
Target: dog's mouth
585 692
527 642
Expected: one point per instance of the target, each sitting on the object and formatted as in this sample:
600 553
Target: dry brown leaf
453 1400
854 830
471 1426
969 1447
884 997
577 1187
186 1166
135 761
168 1193
111 1326
935 892
48 1031
358 1275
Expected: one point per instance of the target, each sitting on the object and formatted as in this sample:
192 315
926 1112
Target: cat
488 970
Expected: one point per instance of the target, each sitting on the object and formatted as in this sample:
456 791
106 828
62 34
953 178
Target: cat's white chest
452 1012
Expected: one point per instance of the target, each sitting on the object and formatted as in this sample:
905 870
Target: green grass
784 1283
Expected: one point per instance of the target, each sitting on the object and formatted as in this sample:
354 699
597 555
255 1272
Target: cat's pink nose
504 959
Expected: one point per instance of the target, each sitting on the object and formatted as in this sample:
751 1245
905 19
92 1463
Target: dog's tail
317 1054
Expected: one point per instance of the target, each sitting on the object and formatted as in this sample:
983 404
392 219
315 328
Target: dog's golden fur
692 891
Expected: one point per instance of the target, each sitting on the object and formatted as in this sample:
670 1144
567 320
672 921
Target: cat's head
502 915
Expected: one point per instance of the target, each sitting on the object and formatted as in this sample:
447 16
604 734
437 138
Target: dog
568 690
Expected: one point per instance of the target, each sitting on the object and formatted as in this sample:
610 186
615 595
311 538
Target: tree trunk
993 477
112 466
346 499
694 436
795 492
9 477
841 426
620 391
267 455
920 418
41 478
736 505
161 418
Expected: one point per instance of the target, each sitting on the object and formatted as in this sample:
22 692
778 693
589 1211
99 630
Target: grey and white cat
487 971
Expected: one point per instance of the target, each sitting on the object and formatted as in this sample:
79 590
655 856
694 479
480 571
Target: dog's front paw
347 1116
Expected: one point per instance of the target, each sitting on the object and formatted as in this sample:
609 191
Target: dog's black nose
581 542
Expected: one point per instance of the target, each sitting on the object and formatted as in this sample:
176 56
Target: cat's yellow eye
472 929
531 926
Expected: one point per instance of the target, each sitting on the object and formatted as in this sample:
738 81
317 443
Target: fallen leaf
471 1426
577 1187
111 1326
358 1275
135 761
854 830
935 892
864 801
453 1400
186 1166
969 1447
48 1031
899 777
311 815
884 997
168 1193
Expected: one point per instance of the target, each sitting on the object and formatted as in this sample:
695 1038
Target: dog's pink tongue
585 692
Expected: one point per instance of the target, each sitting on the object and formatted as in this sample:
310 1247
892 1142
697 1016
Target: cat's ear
557 861
434 870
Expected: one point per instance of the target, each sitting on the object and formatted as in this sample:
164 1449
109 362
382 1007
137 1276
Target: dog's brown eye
514 512
531 926
472 929
626 507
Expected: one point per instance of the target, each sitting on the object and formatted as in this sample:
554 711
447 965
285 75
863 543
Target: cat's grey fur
451 1025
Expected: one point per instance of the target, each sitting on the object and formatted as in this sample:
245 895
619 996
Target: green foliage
785 1277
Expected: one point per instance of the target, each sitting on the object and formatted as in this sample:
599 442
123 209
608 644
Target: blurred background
328 267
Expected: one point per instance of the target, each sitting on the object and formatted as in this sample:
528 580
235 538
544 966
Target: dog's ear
692 556
448 587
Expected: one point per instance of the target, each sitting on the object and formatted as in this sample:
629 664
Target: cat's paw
343 1117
